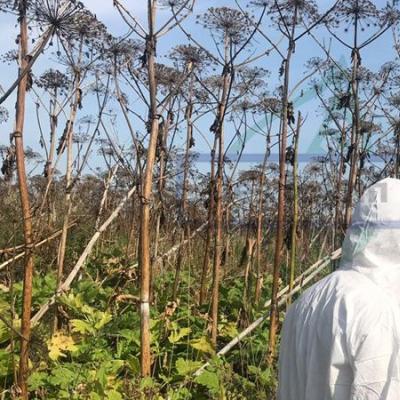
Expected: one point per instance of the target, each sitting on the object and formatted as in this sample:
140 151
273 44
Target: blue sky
372 58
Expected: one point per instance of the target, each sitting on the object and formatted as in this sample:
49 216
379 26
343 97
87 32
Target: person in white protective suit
341 338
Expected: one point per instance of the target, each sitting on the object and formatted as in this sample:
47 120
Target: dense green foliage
95 353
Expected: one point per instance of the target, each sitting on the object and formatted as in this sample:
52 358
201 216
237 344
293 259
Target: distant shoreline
258 157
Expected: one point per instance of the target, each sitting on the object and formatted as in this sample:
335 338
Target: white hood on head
372 243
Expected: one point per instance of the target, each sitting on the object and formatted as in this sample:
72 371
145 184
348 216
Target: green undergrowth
95 352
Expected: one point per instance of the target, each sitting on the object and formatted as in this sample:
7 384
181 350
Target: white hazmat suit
341 338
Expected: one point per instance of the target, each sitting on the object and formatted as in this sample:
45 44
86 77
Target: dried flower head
175 4
69 19
329 132
227 22
87 120
168 78
348 11
249 175
269 105
106 148
249 81
54 13
4 5
122 51
53 80
390 15
369 127
32 155
9 57
390 68
396 127
317 63
188 55
288 12
244 105
201 96
9 161
80 138
214 82
3 114
366 76
255 74
395 101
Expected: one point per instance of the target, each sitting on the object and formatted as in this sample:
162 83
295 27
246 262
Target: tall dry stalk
218 240
25 204
69 132
146 192
293 235
274 313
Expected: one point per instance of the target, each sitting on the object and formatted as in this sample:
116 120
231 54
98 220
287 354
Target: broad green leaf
83 327
264 375
147 383
253 370
113 395
179 394
128 334
62 377
101 377
229 330
5 330
134 365
64 395
177 335
113 366
210 381
103 319
203 345
6 363
58 344
186 367
4 305
90 311
37 380
73 301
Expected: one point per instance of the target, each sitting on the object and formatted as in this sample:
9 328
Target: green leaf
103 319
210 380
89 311
113 366
37 380
58 344
229 330
5 330
186 367
203 345
101 377
62 377
72 301
177 335
265 376
6 363
82 327
179 394
134 365
113 395
147 383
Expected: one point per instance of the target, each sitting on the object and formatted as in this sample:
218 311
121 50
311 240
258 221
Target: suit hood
372 242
